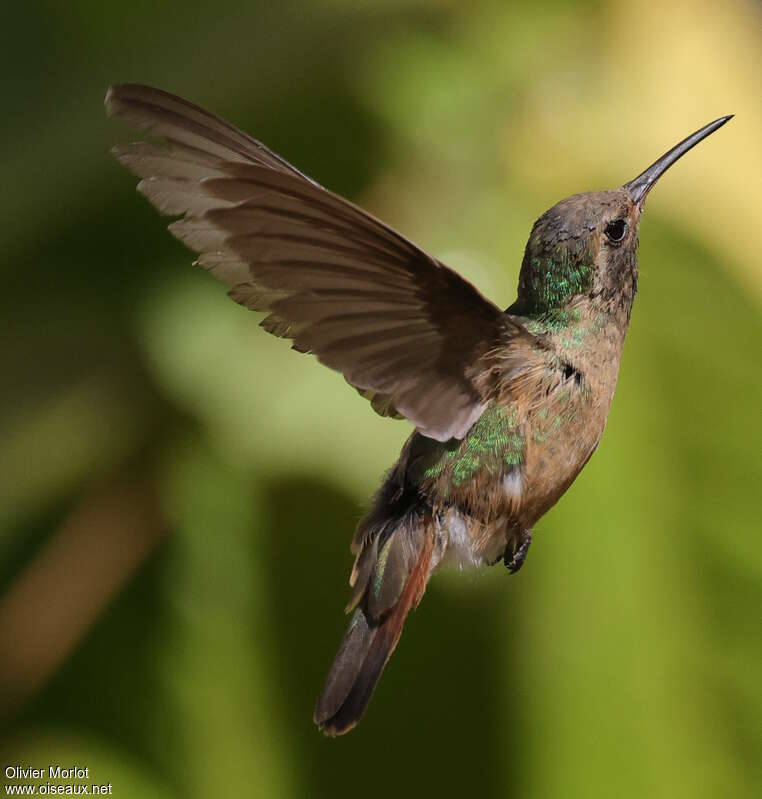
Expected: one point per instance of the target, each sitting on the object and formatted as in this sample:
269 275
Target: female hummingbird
507 406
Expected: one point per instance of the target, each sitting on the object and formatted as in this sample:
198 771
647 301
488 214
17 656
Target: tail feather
345 668
370 640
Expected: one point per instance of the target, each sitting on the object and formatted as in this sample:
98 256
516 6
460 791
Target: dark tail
389 579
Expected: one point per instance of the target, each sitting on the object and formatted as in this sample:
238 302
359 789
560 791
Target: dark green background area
625 658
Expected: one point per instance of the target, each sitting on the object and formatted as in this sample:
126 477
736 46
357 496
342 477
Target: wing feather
405 330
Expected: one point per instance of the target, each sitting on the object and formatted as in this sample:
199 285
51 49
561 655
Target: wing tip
109 101
120 95
117 93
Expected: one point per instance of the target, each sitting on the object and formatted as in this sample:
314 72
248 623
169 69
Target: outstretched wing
404 329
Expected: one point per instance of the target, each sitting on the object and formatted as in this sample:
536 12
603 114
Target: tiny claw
519 553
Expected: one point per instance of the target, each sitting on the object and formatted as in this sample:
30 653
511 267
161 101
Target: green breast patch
494 443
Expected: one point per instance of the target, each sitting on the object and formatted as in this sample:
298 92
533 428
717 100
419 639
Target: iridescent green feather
494 442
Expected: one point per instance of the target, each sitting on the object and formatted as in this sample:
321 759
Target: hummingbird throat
549 282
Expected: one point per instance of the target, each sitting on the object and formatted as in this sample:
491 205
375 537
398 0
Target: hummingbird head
586 245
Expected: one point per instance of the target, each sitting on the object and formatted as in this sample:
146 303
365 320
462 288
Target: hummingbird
507 406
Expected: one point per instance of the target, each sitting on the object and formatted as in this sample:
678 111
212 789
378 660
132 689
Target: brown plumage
374 631
507 406
338 282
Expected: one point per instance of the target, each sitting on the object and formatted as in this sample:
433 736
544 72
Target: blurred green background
178 490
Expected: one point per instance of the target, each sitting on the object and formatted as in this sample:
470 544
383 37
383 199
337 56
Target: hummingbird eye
615 230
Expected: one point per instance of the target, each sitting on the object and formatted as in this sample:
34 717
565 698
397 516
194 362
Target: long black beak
641 185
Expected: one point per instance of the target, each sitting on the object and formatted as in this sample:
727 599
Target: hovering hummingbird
507 406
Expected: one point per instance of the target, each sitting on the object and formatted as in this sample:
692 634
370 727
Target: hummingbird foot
514 559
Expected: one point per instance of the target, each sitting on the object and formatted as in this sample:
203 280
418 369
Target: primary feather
403 328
